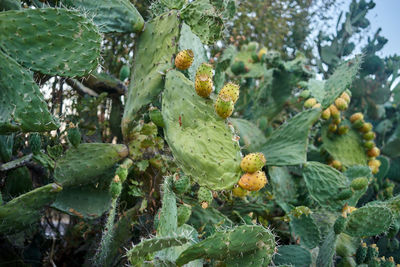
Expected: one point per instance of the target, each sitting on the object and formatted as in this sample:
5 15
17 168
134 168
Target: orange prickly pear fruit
184 59
203 85
253 181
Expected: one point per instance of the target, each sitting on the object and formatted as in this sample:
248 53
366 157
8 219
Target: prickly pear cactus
201 142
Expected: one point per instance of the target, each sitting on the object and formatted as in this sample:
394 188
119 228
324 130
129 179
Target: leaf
287 145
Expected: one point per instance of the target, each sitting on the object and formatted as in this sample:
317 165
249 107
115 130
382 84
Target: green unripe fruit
224 106
305 94
115 189
349 92
366 127
239 192
232 90
345 194
326 114
182 185
122 173
205 69
35 143
372 253
388 263
393 230
359 183
341 104
74 136
369 136
310 103
358 124
156 117
204 197
369 144
238 68
343 129
375 262
253 162
332 127
184 213
356 116
361 253
124 72
340 225
252 46
254 57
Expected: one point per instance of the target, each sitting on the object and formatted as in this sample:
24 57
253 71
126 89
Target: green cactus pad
67 44
110 15
18 181
287 145
327 250
202 144
6 147
21 212
188 40
83 164
168 222
22 106
86 202
369 220
174 4
324 184
347 148
153 57
235 241
306 228
251 137
201 16
293 255
340 80
283 185
10 5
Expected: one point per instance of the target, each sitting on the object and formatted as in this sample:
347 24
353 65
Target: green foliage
292 255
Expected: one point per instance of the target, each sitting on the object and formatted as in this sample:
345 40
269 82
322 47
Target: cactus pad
67 44
200 141
251 137
293 255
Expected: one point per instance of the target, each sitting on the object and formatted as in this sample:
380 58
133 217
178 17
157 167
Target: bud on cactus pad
205 69
361 253
359 183
182 185
309 103
204 197
253 162
223 106
340 225
232 90
203 85
366 127
345 96
184 213
239 192
369 136
341 104
356 116
74 136
374 152
253 181
156 117
326 114
35 143
184 59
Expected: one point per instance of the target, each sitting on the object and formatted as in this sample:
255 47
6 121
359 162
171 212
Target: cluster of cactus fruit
191 140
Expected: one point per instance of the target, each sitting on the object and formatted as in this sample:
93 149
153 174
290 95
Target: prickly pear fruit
358 124
336 164
340 225
262 52
374 165
318 105
326 114
122 173
332 127
341 104
253 181
115 189
254 57
182 185
204 197
359 183
345 194
337 121
205 69
203 85
305 94
345 96
156 117
366 127
356 116
124 72
372 252
232 90
253 162
343 129
387 263
239 192
184 59
373 152
309 103
369 144
238 68
184 213
74 136
35 143
361 253
224 106
369 136
335 113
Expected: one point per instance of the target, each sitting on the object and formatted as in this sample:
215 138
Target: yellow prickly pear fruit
262 52
332 127
373 152
253 162
374 165
232 90
326 114
341 104
345 96
337 121
356 116
239 192
318 105
336 164
335 113
253 181
309 103
205 69
366 127
184 59
203 85
223 106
